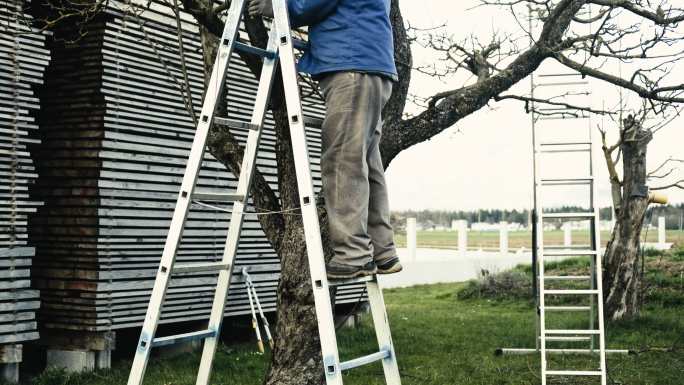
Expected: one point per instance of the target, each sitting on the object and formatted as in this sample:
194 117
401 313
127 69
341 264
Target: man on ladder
355 103
351 54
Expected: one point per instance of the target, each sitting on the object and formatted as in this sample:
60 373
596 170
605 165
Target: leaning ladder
596 331
280 48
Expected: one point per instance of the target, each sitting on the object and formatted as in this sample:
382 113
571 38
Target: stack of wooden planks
116 136
23 59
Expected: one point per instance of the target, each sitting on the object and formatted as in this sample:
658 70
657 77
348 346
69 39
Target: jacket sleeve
309 12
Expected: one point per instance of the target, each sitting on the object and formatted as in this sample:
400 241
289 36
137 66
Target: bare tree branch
678 184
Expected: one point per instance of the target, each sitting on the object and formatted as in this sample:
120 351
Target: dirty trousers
353 176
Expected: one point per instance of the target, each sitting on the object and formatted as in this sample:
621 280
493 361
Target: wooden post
567 234
411 241
462 236
503 237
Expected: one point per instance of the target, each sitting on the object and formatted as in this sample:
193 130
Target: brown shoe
389 266
337 271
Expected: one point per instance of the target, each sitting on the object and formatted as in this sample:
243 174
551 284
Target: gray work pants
353 176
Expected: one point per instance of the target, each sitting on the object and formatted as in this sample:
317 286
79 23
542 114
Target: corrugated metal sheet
23 59
116 139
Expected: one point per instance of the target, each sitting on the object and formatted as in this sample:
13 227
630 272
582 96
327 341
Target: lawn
442 339
516 239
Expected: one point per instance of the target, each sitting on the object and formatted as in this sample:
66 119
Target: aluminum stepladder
280 49
595 333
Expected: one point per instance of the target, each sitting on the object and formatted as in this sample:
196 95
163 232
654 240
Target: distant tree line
674 215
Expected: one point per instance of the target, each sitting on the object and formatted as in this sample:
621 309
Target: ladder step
567 277
569 150
254 50
198 267
338 282
217 197
566 181
574 373
179 338
567 308
568 339
236 124
565 252
570 291
572 332
564 117
365 360
556 84
586 215
565 144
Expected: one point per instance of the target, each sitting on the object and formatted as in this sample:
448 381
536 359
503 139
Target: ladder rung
568 339
254 50
572 332
179 338
565 118
566 181
338 282
567 308
236 124
557 253
555 84
569 215
570 291
565 151
365 360
217 197
574 373
567 277
565 144
197 267
560 75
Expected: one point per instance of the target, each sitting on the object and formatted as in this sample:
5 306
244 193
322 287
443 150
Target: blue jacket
345 35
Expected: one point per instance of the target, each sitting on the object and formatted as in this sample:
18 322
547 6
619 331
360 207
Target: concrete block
71 360
9 372
79 360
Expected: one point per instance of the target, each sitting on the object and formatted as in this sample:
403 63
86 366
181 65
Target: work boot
339 271
389 266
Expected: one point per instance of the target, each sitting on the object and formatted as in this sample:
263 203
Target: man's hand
261 8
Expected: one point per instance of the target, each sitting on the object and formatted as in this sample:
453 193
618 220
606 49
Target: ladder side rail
541 260
237 215
314 247
382 331
190 176
594 227
598 271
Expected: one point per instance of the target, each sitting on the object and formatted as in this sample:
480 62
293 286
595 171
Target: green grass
516 239
442 339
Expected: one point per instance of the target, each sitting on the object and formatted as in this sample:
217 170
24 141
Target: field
516 239
442 338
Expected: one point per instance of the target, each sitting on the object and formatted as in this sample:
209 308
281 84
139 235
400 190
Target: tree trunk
622 275
295 360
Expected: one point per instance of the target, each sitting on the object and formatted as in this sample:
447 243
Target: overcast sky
485 161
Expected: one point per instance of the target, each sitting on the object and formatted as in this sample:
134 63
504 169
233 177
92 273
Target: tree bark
621 272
